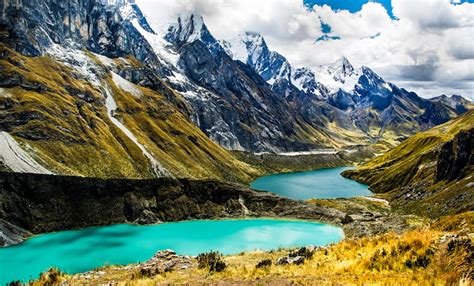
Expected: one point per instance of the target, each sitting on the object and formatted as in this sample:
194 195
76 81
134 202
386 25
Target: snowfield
17 159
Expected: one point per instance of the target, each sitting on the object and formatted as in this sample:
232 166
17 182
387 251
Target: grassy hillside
57 114
409 175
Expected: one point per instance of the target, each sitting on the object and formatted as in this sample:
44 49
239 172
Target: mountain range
89 88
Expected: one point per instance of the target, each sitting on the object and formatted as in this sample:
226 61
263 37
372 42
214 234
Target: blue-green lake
318 184
82 250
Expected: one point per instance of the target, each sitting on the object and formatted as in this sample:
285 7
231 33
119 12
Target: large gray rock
11 234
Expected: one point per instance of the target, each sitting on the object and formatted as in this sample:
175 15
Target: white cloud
428 48
434 14
370 20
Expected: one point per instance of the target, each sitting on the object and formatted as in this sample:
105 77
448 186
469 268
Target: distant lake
318 184
77 251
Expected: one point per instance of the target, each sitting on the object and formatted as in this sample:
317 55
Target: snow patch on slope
191 27
111 105
161 47
17 159
87 70
125 85
106 61
78 60
169 57
236 49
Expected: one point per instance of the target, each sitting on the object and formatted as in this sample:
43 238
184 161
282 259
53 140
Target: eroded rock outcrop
455 157
11 234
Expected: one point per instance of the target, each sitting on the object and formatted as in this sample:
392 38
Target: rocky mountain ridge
357 99
336 100
94 77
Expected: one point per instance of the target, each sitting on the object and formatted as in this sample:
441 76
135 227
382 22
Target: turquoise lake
319 184
82 250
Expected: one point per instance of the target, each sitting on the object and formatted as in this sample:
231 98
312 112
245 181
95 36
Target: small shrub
213 261
375 256
403 247
15 283
422 261
264 263
417 244
145 273
430 251
51 277
303 251
409 264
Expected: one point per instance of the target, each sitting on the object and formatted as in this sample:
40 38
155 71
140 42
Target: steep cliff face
456 158
31 27
430 173
44 203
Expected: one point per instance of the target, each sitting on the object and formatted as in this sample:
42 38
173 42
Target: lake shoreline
82 202
325 183
125 244
184 198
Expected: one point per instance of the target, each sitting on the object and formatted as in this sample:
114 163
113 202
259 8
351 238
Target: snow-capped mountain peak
370 78
247 47
186 29
191 28
236 48
252 49
305 80
341 67
255 45
129 11
340 74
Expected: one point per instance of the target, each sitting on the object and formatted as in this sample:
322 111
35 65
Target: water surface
319 184
82 250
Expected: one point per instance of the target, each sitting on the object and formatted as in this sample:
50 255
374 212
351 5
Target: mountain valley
181 95
107 118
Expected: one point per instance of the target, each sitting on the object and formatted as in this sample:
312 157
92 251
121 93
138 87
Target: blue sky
356 5
351 5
